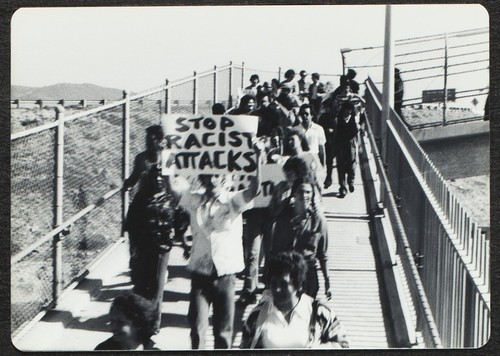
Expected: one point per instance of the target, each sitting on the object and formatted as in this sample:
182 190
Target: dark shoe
247 298
328 182
351 188
342 192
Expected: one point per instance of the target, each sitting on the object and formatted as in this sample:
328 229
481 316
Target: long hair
316 217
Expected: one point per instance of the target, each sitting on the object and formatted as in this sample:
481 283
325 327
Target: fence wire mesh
205 87
32 188
264 75
424 63
181 98
223 86
92 167
31 286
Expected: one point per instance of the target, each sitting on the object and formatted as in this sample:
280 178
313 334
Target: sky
137 48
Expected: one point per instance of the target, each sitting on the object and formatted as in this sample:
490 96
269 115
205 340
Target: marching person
252 88
315 134
347 144
301 226
316 92
217 252
149 222
130 319
289 318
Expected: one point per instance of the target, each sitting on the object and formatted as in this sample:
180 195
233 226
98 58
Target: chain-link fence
66 172
456 63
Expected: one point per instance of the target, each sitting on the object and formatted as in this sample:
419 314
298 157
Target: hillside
66 91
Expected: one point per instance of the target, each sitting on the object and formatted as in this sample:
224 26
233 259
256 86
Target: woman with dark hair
131 319
252 88
289 318
301 226
288 82
245 107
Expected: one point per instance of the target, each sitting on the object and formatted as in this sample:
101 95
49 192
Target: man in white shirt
315 134
217 252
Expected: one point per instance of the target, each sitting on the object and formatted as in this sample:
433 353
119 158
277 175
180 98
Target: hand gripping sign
216 144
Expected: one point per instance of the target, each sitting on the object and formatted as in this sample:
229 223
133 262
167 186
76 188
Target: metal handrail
400 234
65 225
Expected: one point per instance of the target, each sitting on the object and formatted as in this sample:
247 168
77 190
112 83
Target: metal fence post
445 94
242 74
195 93
230 99
167 98
58 216
215 84
279 74
159 106
126 151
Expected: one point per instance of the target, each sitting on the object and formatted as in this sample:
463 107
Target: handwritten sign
217 144
271 175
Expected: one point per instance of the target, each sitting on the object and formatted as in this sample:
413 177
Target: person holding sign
217 251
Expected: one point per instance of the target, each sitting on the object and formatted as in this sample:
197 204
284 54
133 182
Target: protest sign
271 175
215 144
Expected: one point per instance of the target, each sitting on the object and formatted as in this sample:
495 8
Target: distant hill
65 91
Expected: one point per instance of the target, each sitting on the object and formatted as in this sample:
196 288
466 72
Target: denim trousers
218 291
257 228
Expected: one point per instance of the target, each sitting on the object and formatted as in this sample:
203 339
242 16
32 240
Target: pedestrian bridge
409 267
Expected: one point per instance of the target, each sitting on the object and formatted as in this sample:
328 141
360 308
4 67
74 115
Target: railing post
242 74
126 151
159 106
83 103
17 102
230 99
445 90
40 103
388 86
195 93
167 98
62 102
215 84
58 216
279 74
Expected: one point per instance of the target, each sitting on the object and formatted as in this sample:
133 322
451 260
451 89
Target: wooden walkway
80 321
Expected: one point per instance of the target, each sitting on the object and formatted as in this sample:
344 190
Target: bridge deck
80 322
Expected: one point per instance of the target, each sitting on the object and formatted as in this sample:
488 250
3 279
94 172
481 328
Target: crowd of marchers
309 128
